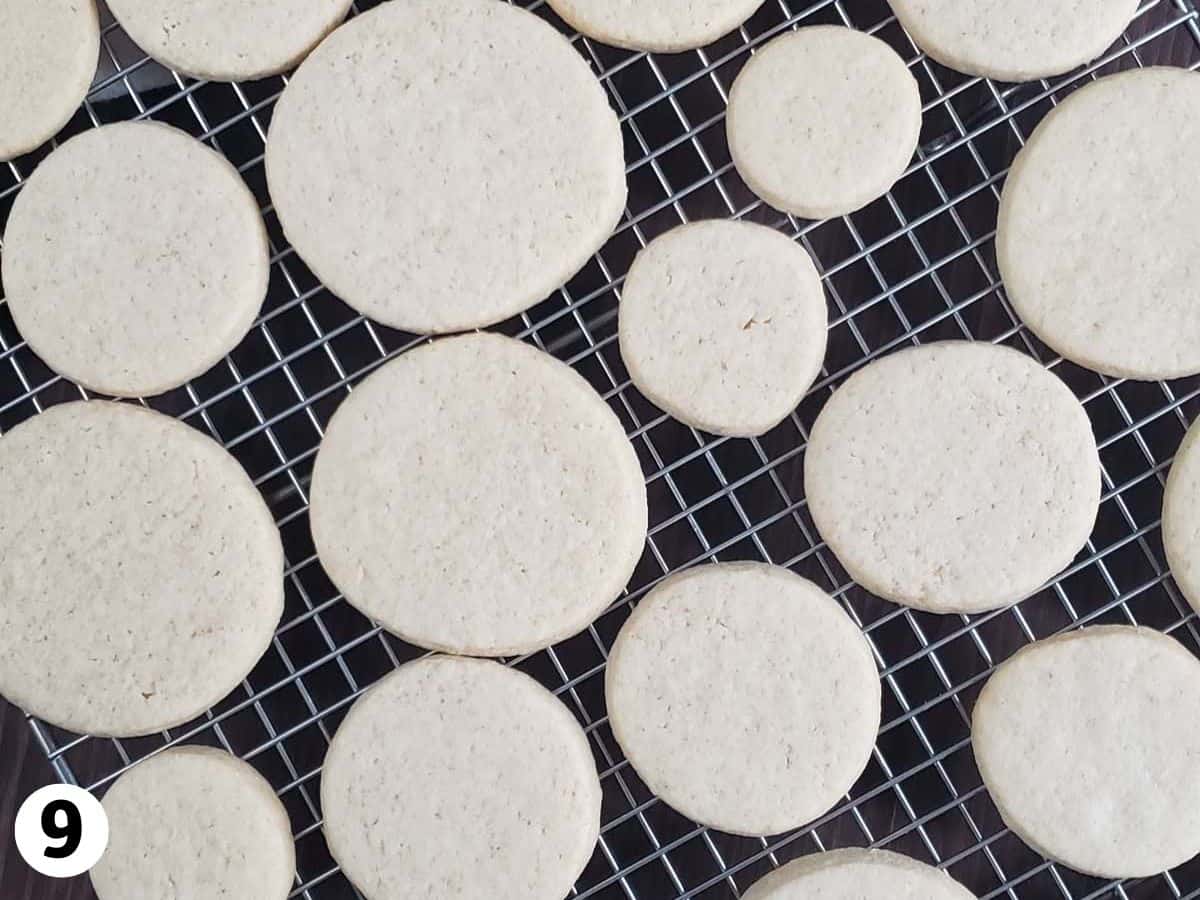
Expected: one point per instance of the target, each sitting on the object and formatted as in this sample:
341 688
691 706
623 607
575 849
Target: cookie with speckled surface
1088 744
141 572
460 778
857 875
1181 517
444 164
1099 238
723 325
1014 40
228 40
665 26
824 120
493 483
48 55
198 823
135 259
953 477
744 697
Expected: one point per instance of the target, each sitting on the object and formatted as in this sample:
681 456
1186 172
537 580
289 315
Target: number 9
70 833
61 831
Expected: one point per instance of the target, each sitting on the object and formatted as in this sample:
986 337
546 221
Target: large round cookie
135 258
857 874
1181 517
823 120
48 54
1014 40
228 40
1098 235
953 477
141 572
1088 745
744 697
723 325
459 778
664 26
198 823
444 164
475 495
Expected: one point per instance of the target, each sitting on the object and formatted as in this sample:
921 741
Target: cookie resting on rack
1181 517
857 874
664 26
954 477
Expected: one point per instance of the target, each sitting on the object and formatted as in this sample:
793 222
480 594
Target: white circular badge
61 830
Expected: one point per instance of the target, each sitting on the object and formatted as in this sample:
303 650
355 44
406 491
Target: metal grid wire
917 265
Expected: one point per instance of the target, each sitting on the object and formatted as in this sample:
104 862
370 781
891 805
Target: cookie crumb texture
460 778
953 477
196 823
141 572
1088 744
857 875
665 26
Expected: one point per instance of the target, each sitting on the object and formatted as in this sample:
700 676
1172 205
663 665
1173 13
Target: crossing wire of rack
916 266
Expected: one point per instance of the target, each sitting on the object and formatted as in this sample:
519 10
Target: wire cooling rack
916 266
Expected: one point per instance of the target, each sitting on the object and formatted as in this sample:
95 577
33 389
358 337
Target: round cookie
135 259
493 483
142 574
953 477
858 874
662 26
1098 239
228 40
1014 40
1088 743
723 325
744 697
444 164
48 55
1181 517
453 776
823 120
195 822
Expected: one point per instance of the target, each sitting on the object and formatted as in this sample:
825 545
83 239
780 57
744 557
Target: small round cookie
823 121
1181 517
453 777
142 574
744 697
228 40
954 477
48 54
661 26
1098 239
444 164
493 483
858 874
1088 743
1014 40
195 822
723 325
135 259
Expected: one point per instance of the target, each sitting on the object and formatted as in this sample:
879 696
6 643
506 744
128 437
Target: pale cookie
953 477
476 495
445 164
48 55
458 779
1088 743
135 259
1181 517
663 26
824 120
857 875
228 40
723 325
141 572
197 823
1099 237
1014 40
744 697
